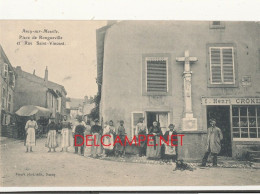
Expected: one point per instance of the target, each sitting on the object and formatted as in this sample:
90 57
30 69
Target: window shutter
135 119
3 103
5 71
215 64
228 65
222 65
13 80
156 75
3 98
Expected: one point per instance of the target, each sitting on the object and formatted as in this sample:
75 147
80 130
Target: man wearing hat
213 143
96 132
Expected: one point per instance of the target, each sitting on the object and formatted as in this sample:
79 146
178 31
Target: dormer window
217 25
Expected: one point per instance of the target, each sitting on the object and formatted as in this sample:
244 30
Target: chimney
46 76
18 69
34 72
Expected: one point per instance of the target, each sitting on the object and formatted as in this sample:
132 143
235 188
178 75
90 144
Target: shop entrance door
222 116
160 117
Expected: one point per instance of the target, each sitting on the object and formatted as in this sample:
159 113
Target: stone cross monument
189 123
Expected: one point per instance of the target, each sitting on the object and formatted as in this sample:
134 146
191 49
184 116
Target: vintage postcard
129 104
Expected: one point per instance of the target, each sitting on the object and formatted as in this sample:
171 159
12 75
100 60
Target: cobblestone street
41 168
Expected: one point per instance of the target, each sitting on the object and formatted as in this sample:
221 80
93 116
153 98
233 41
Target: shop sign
230 101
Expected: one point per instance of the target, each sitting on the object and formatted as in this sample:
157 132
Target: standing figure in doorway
141 132
153 142
30 127
65 134
109 137
213 143
52 129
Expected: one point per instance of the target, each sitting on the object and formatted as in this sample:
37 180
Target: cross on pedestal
189 123
187 59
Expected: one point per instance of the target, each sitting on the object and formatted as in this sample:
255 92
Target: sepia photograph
129 103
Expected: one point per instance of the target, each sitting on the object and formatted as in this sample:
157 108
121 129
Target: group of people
158 149
153 134
80 128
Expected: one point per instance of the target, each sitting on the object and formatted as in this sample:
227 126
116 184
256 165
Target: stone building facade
183 73
7 86
34 90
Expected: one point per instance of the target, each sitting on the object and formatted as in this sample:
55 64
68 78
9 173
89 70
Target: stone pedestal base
189 124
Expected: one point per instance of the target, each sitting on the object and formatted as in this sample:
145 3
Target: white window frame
5 76
246 139
13 84
9 102
59 104
167 70
221 65
3 98
52 101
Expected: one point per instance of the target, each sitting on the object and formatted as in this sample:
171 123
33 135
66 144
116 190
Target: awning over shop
30 110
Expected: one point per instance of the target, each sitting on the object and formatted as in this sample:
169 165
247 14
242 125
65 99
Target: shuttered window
156 68
222 65
5 72
3 98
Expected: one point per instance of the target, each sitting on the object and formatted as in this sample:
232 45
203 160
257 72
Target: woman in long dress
65 134
52 135
87 132
153 143
108 140
30 127
170 151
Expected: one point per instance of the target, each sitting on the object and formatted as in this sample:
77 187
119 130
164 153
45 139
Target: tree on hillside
94 114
